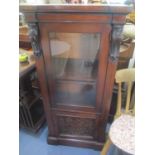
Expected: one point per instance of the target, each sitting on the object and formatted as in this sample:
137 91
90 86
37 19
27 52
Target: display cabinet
76 49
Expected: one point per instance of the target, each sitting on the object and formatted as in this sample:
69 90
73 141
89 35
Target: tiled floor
35 144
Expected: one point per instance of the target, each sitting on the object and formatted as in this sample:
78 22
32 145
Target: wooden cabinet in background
31 112
126 54
76 50
24 41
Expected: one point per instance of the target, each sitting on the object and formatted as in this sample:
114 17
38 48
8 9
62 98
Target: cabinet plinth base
75 142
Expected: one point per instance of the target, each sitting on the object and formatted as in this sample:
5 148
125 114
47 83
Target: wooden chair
126 76
126 54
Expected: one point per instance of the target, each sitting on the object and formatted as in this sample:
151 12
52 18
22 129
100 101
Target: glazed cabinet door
75 57
75 61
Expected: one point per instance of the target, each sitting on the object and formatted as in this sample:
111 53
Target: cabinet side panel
35 41
111 69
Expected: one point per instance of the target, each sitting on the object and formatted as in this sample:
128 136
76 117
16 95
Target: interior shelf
76 70
75 93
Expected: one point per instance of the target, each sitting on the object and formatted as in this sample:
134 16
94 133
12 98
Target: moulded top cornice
85 8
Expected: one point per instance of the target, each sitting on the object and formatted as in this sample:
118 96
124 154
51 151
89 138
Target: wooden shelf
31 107
78 70
23 34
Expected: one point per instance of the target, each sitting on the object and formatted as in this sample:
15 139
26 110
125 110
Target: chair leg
106 147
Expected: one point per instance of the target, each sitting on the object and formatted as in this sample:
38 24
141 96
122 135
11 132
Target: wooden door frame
103 29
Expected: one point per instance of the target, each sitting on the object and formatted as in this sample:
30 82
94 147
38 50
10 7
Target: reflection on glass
74 67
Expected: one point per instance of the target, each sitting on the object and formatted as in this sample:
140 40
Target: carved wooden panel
76 126
115 42
34 37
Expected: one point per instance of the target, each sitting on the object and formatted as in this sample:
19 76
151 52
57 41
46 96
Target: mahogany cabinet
76 49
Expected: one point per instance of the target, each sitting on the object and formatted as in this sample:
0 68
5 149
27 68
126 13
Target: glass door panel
74 59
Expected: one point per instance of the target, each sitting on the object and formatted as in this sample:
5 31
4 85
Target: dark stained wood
54 17
103 58
44 91
67 123
74 113
23 34
76 136
75 142
111 69
25 45
118 19
24 38
24 41
74 108
30 17
125 55
124 9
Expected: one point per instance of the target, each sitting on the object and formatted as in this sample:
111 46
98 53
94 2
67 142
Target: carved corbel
34 37
115 42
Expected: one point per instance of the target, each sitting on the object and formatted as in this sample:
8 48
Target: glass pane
74 59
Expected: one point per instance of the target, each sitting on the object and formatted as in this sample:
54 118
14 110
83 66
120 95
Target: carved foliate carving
76 126
115 42
34 37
